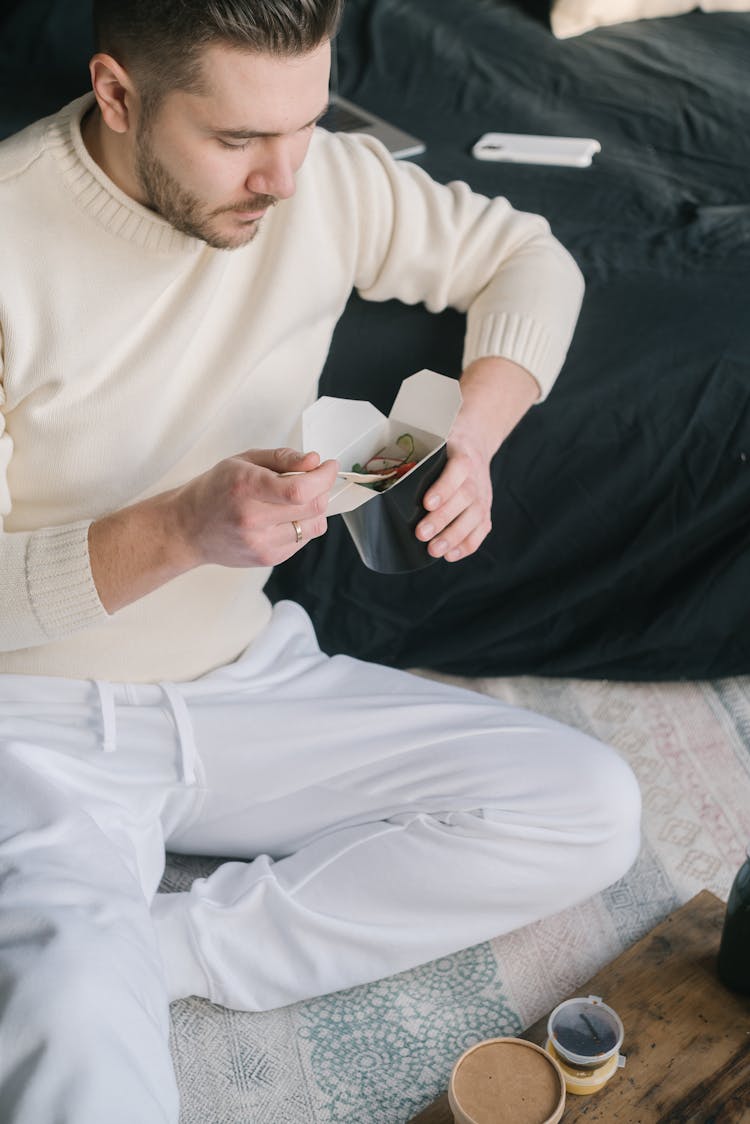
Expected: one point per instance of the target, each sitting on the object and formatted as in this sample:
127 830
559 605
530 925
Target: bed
621 541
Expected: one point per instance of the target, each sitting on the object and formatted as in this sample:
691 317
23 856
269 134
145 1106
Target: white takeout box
351 431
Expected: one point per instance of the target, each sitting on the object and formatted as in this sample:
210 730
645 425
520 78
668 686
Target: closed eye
238 147
244 139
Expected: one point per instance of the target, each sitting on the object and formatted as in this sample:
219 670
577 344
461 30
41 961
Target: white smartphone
524 148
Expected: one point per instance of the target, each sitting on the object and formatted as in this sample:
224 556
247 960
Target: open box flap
428 400
331 424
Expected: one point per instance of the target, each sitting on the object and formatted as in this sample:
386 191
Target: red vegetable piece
404 468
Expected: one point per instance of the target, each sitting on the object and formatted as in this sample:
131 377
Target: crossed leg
389 820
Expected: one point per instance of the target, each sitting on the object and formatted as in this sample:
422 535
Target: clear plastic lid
585 1031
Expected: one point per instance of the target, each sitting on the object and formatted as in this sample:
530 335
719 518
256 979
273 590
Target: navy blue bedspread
621 539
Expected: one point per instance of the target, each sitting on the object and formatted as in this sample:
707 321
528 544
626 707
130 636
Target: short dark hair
160 41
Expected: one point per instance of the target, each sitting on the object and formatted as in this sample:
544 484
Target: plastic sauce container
506 1081
584 1038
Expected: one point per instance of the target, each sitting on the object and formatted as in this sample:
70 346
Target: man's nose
273 172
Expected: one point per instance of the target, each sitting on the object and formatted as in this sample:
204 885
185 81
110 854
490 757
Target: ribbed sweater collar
96 194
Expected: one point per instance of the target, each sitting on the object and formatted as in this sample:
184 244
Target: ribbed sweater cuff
521 339
59 580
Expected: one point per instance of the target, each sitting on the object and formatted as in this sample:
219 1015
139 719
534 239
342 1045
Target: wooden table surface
687 1038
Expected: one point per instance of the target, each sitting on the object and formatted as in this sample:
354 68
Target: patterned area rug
379 1054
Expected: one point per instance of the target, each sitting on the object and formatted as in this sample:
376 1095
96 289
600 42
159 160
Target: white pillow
573 17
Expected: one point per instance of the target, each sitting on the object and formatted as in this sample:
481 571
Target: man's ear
114 91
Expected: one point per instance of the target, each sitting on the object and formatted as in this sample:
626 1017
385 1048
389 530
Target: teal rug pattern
380 1053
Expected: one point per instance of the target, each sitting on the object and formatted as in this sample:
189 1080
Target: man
177 248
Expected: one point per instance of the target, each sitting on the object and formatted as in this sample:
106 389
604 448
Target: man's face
212 163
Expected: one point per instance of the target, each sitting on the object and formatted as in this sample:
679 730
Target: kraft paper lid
506 1081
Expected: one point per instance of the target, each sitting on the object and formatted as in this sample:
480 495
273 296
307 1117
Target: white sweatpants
377 820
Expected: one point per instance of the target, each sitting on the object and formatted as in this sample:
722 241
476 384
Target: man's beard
185 211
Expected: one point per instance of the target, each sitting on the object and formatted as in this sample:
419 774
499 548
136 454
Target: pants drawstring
180 715
185 735
106 694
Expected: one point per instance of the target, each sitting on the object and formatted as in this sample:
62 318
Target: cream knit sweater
134 358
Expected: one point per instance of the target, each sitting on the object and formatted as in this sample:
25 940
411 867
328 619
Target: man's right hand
241 512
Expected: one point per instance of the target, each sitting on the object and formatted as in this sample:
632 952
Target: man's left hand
496 395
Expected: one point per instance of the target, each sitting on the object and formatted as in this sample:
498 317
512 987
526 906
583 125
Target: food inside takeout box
353 432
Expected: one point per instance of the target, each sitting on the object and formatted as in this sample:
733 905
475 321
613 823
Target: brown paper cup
506 1081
